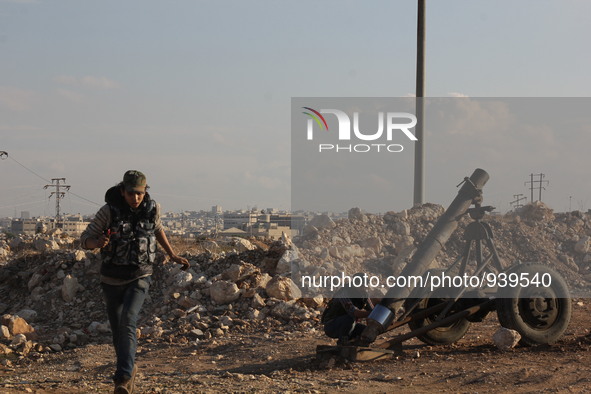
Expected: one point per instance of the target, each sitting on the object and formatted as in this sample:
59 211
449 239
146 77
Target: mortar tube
384 313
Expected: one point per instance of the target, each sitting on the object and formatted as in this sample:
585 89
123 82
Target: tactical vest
132 246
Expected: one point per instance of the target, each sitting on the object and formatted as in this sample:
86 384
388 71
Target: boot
126 385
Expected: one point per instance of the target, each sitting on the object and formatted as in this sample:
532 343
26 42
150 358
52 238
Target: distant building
25 215
73 227
239 220
293 222
217 210
37 225
6 223
26 226
292 225
272 230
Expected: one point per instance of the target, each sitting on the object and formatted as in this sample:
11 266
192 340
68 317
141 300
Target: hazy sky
510 138
197 93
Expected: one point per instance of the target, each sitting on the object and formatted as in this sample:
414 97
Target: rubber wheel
443 335
539 314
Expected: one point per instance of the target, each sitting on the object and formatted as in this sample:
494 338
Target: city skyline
197 94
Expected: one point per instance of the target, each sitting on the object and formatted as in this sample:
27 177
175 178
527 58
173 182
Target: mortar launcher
540 313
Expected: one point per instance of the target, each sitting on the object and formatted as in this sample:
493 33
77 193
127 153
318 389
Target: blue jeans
343 327
123 307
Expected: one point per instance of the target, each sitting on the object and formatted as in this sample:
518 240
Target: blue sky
197 93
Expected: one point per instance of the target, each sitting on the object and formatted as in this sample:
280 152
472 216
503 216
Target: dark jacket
132 246
341 305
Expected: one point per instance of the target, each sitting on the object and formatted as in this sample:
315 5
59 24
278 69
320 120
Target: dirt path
285 361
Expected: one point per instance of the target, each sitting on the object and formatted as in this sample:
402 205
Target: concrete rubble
54 299
52 296
383 244
506 339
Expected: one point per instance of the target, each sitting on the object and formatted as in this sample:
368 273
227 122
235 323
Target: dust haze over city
197 95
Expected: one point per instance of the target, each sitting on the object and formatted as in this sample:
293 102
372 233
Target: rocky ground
236 322
283 360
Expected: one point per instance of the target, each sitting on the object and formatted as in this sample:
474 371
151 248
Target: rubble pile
232 285
50 296
536 234
382 245
377 244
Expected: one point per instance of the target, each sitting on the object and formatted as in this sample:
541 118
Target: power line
92 203
82 198
84 203
4 155
28 169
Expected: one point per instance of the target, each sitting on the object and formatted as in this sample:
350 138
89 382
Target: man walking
126 230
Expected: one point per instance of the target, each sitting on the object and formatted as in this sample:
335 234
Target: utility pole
518 198
419 182
55 182
531 187
539 187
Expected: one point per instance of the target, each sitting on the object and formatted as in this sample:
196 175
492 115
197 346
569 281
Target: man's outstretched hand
181 260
